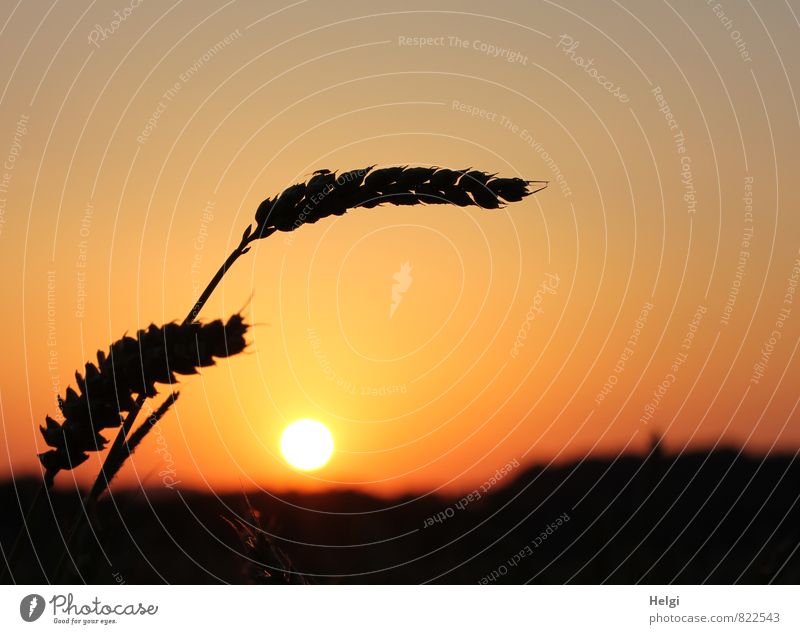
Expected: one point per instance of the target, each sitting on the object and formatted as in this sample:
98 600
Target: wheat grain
131 369
327 194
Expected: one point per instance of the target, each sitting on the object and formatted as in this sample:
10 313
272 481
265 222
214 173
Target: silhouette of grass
131 368
327 194
115 461
265 563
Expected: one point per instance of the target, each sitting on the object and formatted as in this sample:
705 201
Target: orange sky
135 153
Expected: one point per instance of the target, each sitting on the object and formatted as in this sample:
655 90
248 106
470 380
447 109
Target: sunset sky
649 290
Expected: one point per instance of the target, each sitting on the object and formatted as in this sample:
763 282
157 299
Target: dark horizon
151 485
704 517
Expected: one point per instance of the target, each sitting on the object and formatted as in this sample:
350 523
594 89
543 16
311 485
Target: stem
235 254
103 480
124 450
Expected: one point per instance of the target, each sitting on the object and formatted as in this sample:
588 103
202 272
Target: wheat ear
328 194
125 375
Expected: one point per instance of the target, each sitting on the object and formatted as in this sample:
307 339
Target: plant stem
102 481
126 448
247 238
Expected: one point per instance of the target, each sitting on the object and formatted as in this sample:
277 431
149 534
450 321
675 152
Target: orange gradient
138 159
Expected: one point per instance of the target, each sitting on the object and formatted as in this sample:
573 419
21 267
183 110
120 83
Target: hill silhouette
702 517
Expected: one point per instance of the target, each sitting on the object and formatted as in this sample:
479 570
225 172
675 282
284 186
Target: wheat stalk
118 455
326 194
128 372
124 378
132 366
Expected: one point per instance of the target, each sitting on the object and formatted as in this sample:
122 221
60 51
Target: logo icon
31 607
403 279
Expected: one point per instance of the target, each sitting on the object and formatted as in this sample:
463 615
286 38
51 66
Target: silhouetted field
698 518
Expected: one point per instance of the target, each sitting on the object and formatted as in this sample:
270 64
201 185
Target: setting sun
306 444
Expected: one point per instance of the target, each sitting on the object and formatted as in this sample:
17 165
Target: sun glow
307 444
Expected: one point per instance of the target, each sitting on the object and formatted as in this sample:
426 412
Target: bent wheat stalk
122 380
327 194
127 373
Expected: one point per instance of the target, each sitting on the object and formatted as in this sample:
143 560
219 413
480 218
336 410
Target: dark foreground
698 518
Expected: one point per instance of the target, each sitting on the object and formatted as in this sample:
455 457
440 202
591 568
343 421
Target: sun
307 444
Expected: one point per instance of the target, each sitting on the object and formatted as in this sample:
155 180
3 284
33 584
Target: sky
649 291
